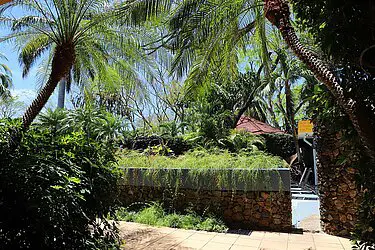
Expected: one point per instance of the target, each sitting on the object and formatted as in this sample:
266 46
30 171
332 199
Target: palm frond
33 50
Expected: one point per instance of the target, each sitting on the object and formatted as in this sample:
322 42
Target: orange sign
305 127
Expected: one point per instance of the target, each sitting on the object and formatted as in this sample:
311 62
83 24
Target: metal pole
315 167
315 171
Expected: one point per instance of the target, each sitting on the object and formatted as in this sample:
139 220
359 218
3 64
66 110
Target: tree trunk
63 60
290 114
360 114
61 96
289 108
340 194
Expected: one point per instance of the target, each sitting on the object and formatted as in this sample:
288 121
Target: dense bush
56 189
234 141
176 144
280 144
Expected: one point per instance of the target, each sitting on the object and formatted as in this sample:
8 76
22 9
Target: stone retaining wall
270 210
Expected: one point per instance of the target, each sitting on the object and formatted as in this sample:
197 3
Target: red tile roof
256 127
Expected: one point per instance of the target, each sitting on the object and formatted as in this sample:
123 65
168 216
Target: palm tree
207 36
5 79
77 35
360 113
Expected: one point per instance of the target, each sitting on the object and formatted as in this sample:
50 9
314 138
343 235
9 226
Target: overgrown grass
154 215
206 169
201 159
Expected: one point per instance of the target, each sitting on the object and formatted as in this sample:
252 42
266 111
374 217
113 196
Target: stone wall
339 196
270 210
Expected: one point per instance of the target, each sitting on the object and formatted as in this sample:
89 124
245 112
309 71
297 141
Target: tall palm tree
5 79
360 113
76 33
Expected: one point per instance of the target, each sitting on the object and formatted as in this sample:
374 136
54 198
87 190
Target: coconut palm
5 79
77 35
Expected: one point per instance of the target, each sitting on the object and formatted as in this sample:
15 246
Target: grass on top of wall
201 159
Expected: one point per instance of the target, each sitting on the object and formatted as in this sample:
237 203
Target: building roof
4 1
256 127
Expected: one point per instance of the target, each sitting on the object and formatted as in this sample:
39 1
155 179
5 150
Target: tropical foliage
5 79
56 190
77 36
11 107
165 77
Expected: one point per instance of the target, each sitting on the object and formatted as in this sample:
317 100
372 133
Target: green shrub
154 215
141 143
96 124
55 190
280 145
232 140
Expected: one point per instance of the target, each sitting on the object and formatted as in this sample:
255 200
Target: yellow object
305 127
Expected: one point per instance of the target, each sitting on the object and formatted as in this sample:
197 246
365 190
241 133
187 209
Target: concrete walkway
138 236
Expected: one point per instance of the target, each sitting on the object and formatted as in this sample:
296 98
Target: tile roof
256 127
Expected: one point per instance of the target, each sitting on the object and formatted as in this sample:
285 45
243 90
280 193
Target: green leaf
57 187
74 179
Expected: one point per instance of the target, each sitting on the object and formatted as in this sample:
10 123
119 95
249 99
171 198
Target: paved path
138 236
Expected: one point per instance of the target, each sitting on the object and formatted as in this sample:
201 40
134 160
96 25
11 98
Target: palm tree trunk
289 107
290 113
360 114
61 96
62 62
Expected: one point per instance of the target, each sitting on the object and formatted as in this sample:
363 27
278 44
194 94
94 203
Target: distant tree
11 107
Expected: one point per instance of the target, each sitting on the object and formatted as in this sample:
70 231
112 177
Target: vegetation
204 169
360 111
331 23
154 215
166 78
77 35
56 190
10 107
5 79
281 145
201 159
